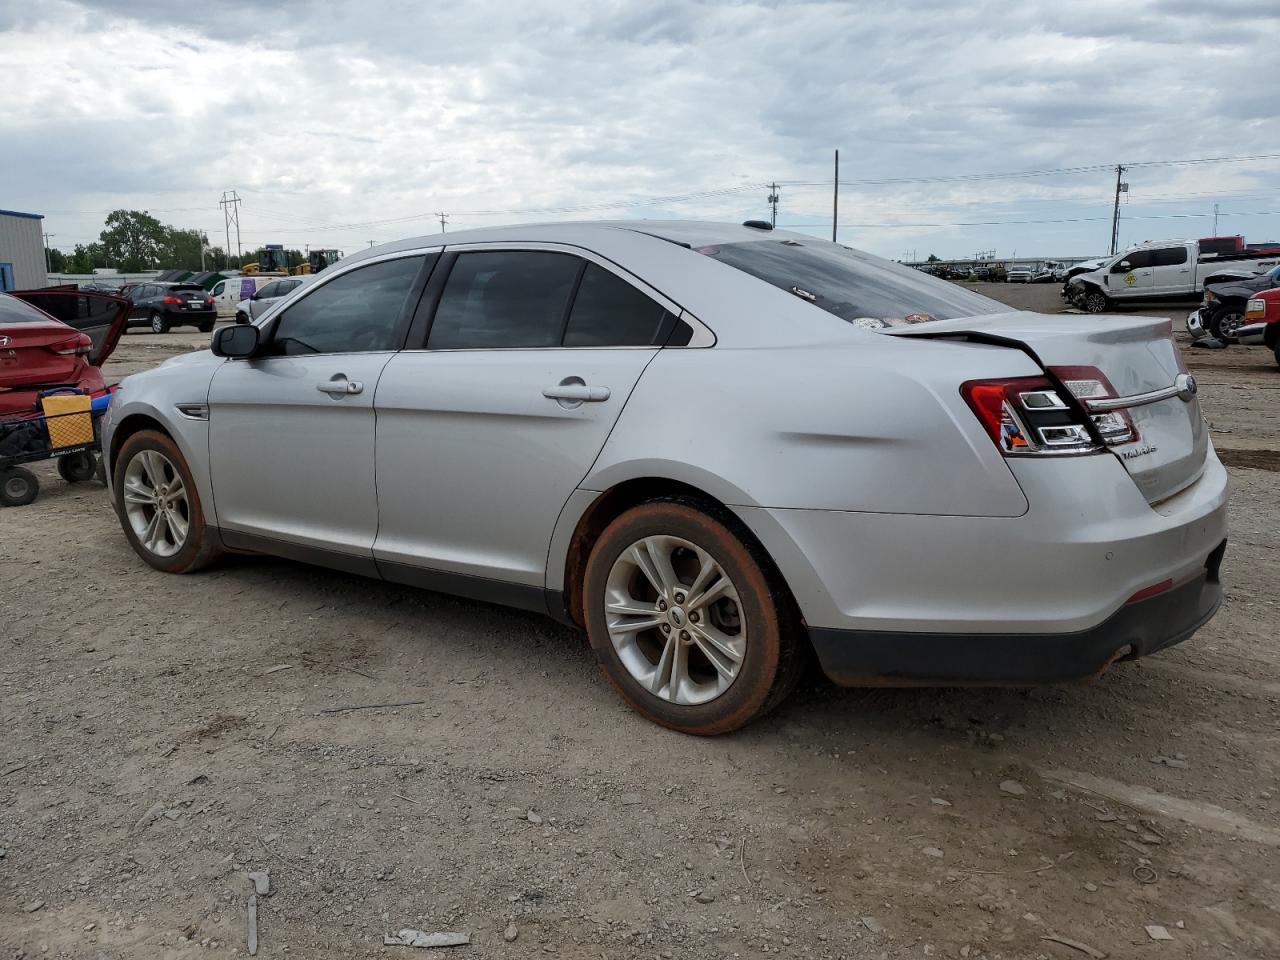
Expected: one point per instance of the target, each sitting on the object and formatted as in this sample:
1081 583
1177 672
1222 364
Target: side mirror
236 342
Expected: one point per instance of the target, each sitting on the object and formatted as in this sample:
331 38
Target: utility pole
443 221
1215 219
230 204
773 204
835 199
1115 213
49 236
370 243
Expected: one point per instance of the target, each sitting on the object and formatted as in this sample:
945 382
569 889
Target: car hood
1239 288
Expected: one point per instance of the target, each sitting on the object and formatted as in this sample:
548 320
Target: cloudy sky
342 122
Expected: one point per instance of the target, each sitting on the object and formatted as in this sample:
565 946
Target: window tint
358 312
854 286
219 287
1136 260
1170 256
269 291
609 312
504 299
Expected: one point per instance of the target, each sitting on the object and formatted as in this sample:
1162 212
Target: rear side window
1170 256
852 285
504 299
358 312
609 312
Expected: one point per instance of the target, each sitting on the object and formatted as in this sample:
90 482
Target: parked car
1222 312
252 308
716 448
1164 271
1261 325
54 338
1019 273
228 293
161 306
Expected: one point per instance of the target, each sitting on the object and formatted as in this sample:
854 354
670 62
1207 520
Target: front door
485 433
291 432
1132 276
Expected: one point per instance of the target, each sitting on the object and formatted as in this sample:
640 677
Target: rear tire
18 487
77 467
159 324
206 327
159 506
702 668
1095 301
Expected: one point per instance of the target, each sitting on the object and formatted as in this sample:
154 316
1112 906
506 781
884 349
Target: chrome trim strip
1136 400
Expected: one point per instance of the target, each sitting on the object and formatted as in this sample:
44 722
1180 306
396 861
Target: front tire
159 507
687 621
1095 301
1225 323
159 324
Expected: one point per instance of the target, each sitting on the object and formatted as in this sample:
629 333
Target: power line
1001 223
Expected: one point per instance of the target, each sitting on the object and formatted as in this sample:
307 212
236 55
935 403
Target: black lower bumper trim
882 658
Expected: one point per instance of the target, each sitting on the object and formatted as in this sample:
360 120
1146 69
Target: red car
55 338
1261 323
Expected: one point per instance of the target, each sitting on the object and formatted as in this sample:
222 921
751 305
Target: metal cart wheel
77 467
18 487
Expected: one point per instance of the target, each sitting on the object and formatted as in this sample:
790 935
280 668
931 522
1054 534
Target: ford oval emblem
1186 385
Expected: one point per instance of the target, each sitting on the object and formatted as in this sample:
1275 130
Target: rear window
852 285
13 310
186 288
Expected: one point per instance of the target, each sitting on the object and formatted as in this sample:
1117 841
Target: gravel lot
165 736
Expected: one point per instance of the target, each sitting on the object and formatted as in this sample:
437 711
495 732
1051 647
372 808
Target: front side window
852 285
358 312
1134 260
504 299
219 287
609 312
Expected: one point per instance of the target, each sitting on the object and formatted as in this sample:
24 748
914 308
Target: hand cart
66 425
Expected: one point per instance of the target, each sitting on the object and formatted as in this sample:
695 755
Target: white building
22 263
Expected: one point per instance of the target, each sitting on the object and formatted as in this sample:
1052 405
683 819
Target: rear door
1171 269
488 427
1133 275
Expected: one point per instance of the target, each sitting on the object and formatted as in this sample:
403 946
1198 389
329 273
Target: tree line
132 241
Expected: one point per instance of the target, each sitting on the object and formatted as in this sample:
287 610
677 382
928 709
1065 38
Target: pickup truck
1165 270
1262 321
1221 313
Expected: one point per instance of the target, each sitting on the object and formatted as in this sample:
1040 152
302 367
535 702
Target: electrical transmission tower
230 204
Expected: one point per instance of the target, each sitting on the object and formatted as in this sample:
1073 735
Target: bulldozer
317 260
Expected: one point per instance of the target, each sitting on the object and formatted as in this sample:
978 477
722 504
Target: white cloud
324 115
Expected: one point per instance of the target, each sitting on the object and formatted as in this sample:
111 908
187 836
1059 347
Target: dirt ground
165 736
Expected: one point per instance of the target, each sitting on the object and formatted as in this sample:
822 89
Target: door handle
1185 270
340 386
577 392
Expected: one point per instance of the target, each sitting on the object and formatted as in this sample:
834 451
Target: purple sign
247 288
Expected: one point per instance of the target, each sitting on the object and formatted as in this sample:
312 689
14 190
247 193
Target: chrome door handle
340 386
576 392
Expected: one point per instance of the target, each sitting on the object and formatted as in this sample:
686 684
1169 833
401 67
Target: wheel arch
593 511
192 443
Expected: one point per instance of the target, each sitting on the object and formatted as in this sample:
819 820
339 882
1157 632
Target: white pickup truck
1163 270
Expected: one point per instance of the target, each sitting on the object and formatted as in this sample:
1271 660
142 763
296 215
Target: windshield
852 285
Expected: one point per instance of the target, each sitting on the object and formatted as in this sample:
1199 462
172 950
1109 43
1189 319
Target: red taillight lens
994 403
173 300
208 301
79 345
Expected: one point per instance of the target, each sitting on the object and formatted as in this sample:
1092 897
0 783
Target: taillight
173 300
1255 310
1029 416
80 345
208 301
1090 383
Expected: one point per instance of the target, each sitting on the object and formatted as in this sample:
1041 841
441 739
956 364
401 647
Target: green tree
84 259
56 259
933 258
180 249
132 240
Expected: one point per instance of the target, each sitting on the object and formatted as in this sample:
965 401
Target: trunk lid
25 357
1138 356
101 316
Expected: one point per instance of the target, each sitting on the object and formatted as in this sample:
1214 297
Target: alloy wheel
156 504
674 618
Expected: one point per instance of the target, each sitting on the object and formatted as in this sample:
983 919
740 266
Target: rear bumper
880 658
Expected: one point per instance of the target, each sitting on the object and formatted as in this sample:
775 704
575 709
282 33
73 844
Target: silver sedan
719 449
